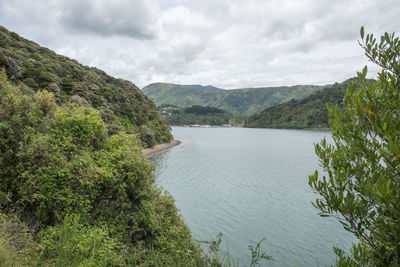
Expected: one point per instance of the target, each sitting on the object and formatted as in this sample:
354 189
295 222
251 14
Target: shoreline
149 152
206 126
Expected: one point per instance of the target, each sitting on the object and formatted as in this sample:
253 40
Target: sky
225 43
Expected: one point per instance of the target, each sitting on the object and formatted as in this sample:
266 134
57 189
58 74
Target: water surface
249 184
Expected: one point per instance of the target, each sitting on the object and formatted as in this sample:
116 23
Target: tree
361 187
72 184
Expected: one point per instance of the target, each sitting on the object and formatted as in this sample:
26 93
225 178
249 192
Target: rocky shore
149 152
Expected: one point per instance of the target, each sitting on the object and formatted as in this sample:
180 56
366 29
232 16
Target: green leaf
387 38
364 71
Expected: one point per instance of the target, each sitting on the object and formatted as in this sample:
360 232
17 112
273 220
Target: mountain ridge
239 103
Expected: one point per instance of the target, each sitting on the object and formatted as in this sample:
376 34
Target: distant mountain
310 112
121 104
240 103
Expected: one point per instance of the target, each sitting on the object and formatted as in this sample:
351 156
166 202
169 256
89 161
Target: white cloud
220 42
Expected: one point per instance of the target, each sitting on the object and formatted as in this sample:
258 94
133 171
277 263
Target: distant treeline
200 110
196 114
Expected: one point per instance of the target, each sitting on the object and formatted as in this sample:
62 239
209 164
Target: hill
121 104
239 103
75 189
310 112
194 115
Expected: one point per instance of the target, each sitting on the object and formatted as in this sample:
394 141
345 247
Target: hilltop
239 103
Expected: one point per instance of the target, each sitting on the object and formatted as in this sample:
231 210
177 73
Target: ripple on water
249 184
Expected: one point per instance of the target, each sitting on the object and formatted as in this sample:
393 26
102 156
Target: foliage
309 112
257 255
120 102
239 103
213 249
4 62
361 187
15 242
194 115
75 244
214 259
200 110
75 187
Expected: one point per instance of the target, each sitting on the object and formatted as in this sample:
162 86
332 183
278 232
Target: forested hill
75 189
310 112
240 103
121 104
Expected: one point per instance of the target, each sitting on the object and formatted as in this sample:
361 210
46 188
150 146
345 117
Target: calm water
249 184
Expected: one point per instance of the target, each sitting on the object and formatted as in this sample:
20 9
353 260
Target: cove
249 184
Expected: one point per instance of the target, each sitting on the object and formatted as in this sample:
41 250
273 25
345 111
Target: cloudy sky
225 43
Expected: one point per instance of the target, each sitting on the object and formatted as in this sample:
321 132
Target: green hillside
75 189
71 195
194 115
310 112
240 103
121 104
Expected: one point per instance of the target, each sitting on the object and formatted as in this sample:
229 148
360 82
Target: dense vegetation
239 103
194 115
120 103
70 195
309 112
75 189
200 110
360 186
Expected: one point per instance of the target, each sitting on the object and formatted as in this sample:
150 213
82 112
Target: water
249 184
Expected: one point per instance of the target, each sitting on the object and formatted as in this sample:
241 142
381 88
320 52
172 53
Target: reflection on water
249 184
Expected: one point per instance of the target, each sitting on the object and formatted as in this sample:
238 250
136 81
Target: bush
73 243
4 62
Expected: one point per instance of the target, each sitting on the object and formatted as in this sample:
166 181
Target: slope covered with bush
75 189
120 103
77 195
310 112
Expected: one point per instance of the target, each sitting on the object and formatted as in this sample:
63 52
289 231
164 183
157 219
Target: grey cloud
226 43
131 18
